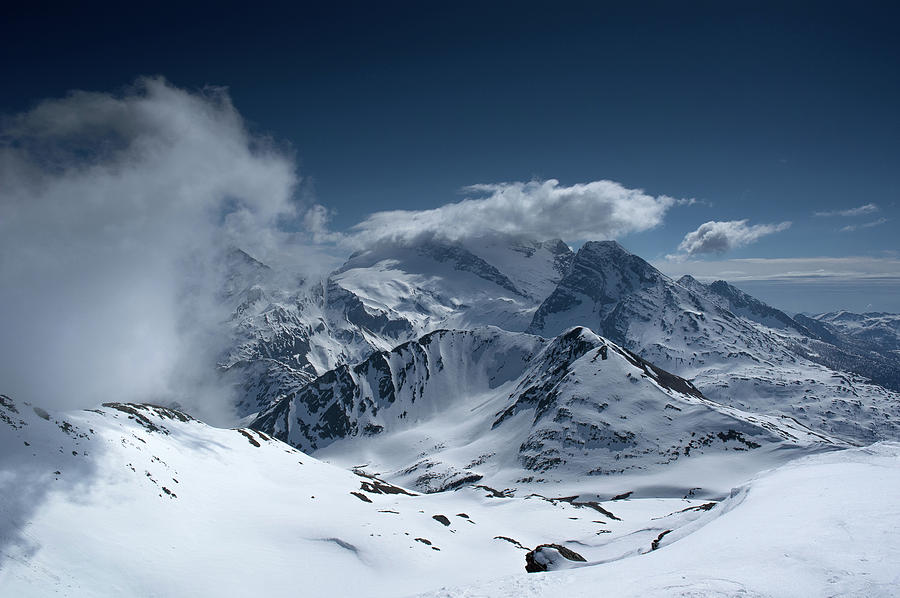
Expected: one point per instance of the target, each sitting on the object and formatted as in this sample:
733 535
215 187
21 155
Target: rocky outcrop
551 557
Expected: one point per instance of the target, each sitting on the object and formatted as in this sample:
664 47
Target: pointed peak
603 247
609 255
579 332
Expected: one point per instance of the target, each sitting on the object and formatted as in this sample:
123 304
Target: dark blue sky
764 112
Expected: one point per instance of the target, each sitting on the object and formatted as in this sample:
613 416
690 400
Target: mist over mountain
117 212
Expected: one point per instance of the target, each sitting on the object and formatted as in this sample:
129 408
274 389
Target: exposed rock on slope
457 407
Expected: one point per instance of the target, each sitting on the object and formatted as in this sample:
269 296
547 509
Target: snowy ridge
734 360
399 388
879 329
869 347
486 405
746 306
867 344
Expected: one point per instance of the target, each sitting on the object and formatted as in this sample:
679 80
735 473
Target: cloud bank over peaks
114 212
717 237
537 209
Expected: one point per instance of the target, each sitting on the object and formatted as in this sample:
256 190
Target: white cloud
315 221
538 209
113 211
852 227
722 236
868 208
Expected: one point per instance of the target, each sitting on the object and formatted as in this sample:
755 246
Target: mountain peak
603 248
609 256
601 274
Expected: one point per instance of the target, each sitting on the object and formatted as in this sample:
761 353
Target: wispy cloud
539 209
852 227
716 237
113 211
868 208
693 201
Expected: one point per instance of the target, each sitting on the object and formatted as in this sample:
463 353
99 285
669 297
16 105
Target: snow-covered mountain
746 306
752 362
736 349
284 336
880 331
501 408
867 344
431 284
814 339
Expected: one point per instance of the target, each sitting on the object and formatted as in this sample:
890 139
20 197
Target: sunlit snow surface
133 501
819 526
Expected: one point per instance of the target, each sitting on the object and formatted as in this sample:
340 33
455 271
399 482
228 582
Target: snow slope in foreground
136 500
824 525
